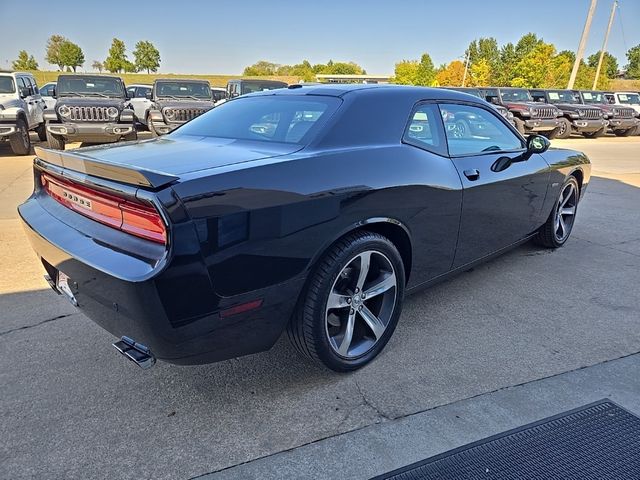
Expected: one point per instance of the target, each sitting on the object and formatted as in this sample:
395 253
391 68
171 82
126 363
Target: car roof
139 85
91 75
353 89
199 80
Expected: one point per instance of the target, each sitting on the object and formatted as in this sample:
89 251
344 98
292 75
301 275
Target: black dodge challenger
308 209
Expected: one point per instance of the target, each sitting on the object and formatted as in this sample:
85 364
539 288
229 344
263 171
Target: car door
36 98
504 186
141 104
26 101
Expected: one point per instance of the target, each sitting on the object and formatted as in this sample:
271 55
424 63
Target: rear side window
423 130
269 118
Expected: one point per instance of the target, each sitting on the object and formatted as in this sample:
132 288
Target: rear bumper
87 131
588 126
134 296
541 125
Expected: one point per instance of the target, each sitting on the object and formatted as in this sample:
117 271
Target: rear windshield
90 86
264 118
6 85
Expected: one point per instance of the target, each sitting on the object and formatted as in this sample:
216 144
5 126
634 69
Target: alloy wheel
361 304
566 212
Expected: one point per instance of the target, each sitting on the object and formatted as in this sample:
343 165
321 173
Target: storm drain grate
596 442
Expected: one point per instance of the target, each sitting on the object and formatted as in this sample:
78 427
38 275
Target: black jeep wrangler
576 117
89 109
175 102
528 116
242 86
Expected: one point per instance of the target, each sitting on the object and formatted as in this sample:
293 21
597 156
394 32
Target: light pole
466 67
582 45
604 44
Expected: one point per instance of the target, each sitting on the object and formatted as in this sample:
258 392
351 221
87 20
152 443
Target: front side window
264 118
423 130
473 130
47 90
141 92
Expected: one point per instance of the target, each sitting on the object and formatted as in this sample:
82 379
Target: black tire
20 141
55 141
42 132
625 133
309 327
520 126
547 235
130 137
152 128
463 128
551 134
564 129
596 134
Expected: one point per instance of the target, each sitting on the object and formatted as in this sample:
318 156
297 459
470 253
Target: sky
222 37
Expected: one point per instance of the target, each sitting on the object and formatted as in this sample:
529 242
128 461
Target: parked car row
558 113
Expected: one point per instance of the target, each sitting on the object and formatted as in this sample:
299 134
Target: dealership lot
71 407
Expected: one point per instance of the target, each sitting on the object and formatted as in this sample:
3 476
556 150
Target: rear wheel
625 133
564 129
556 230
42 132
520 126
352 303
20 141
596 134
55 141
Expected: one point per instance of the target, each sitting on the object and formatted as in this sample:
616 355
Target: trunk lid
158 162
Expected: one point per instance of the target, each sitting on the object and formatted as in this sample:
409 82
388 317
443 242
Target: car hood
119 103
164 103
178 155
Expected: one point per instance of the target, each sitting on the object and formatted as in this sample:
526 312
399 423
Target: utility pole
604 44
466 67
582 45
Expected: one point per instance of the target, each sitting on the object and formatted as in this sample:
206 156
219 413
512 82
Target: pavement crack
368 402
26 327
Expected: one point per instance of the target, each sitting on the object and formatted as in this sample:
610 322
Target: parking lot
72 407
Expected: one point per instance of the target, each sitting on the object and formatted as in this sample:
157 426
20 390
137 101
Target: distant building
327 78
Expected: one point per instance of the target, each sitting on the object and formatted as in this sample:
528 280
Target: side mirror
537 144
494 100
128 95
148 95
53 92
24 92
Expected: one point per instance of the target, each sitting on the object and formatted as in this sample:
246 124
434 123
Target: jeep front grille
544 112
592 114
181 115
623 112
89 114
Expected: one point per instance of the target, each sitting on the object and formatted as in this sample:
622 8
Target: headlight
64 111
170 113
575 114
509 115
112 112
525 113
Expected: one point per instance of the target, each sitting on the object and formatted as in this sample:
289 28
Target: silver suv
21 110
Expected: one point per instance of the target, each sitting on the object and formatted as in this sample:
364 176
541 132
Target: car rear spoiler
83 163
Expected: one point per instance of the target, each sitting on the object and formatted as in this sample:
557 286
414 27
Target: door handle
473 174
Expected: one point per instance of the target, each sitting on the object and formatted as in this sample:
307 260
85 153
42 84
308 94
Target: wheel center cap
357 299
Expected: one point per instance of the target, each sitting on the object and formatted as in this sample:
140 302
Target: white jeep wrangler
21 110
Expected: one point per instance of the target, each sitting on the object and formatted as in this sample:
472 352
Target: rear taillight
133 217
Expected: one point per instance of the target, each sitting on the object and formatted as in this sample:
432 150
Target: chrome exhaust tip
136 352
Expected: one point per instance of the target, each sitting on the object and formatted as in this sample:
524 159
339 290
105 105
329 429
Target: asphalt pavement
71 407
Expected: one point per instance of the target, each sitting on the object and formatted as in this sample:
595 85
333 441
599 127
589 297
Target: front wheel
42 132
556 230
564 129
20 141
625 133
551 134
520 126
352 303
596 134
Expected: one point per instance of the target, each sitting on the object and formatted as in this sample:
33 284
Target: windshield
515 95
89 86
562 96
594 97
250 87
7 85
629 98
269 119
198 90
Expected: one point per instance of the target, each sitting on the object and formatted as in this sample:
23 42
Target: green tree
343 68
532 70
53 50
507 63
116 61
303 70
609 63
24 61
480 73
96 65
129 67
147 56
526 44
426 74
71 55
633 67
406 72
260 69
485 49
